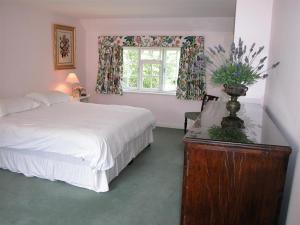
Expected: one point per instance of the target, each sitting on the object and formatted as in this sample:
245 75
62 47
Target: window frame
162 74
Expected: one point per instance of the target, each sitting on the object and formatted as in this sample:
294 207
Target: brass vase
233 106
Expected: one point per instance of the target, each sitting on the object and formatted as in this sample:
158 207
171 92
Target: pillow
15 105
50 97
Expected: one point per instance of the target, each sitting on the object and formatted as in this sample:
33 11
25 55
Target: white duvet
93 132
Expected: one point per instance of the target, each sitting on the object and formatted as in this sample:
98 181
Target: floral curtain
191 79
191 75
110 68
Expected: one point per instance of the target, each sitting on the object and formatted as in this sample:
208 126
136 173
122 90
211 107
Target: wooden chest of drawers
227 183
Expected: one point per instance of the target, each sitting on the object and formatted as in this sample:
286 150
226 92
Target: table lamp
72 79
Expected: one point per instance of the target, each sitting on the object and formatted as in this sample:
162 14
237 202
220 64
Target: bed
83 144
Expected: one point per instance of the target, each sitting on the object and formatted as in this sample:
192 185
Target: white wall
26 51
168 110
253 24
282 96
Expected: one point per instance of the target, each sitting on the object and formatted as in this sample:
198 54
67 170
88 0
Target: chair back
207 98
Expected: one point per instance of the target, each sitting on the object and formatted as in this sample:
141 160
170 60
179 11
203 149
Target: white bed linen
92 132
71 170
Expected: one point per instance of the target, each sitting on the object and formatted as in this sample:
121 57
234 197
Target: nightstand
83 98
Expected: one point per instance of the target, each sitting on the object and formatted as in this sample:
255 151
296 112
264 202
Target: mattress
93 133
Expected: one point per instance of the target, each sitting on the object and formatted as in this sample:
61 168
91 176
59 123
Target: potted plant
228 134
235 71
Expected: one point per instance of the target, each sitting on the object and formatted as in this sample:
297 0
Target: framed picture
64 47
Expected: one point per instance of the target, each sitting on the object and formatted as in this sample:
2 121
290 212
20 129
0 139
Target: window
150 69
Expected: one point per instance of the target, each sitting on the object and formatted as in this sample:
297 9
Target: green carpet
147 192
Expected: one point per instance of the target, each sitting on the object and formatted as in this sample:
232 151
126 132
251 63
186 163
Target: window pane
151 82
147 82
156 69
154 64
130 67
151 75
155 82
151 54
172 67
151 69
133 82
147 69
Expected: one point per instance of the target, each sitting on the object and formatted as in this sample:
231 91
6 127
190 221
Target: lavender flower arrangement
237 67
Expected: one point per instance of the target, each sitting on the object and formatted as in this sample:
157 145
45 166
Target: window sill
150 92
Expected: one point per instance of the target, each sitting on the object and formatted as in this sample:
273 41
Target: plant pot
233 106
236 90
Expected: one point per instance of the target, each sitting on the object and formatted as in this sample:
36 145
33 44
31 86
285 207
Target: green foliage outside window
130 68
151 74
155 64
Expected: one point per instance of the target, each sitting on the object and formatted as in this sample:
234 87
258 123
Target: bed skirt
69 169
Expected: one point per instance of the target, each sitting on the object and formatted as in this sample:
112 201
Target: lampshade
72 78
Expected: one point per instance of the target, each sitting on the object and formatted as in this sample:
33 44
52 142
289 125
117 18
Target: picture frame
64 41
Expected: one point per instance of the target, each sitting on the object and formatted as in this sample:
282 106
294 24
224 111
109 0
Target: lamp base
75 92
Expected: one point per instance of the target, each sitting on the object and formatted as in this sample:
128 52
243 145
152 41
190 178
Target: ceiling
137 8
